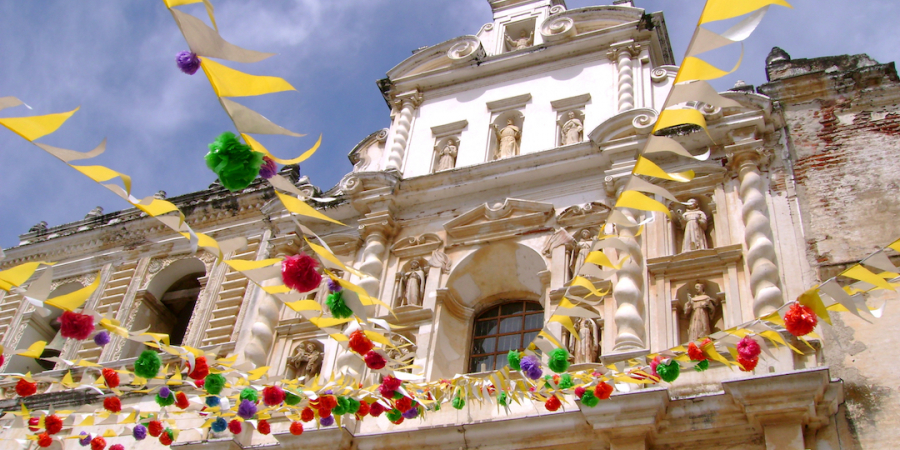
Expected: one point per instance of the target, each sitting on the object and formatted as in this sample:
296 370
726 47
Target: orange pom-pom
263 427
98 443
111 377
235 426
112 404
363 409
181 400
695 353
552 404
747 365
360 343
76 326
307 414
44 440
155 428
800 320
296 428
327 402
200 370
603 391
53 424
24 388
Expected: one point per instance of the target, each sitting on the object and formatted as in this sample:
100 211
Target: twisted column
407 104
629 293
622 54
764 278
375 228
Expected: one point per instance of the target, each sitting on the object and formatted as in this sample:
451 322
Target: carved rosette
557 9
643 123
465 50
557 28
658 75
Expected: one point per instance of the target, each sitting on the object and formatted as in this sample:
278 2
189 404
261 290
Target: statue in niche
572 130
700 308
306 361
580 251
411 285
447 156
587 349
694 222
523 41
507 139
321 293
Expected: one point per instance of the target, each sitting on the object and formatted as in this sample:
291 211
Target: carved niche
305 360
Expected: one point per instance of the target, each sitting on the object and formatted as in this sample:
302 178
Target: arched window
180 300
508 326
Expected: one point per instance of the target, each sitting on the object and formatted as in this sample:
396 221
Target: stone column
628 421
407 104
745 158
375 228
256 341
623 53
629 292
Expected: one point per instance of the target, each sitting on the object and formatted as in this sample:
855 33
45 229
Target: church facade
476 207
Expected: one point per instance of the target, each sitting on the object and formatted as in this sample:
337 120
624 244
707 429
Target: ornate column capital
413 98
624 46
747 154
380 223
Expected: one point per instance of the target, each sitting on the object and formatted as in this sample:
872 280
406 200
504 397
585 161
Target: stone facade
788 196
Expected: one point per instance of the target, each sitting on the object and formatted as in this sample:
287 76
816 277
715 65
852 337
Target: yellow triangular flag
74 300
646 167
228 82
257 147
726 9
34 127
637 200
34 350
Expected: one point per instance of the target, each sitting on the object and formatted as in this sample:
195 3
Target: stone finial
777 55
96 212
160 195
39 228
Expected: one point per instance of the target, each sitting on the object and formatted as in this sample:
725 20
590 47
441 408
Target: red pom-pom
2 358
263 427
376 409
98 443
800 320
403 404
327 402
398 421
603 391
296 428
307 414
155 428
33 424
165 439
111 377
299 272
200 369
391 383
112 404
53 424
363 409
747 365
375 361
552 404
44 440
695 353
360 343
579 391
324 412
76 326
181 400
117 447
24 388
273 395
748 348
234 426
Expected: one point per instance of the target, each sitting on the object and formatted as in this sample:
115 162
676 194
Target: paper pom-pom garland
236 164
147 365
603 391
85 439
307 414
263 427
75 326
117 447
214 383
291 399
246 410
360 343
181 400
531 365
250 394
376 409
44 440
268 168
800 320
235 426
98 443
702 365
102 338
155 428
668 371
552 403
589 399
25 388
200 370
188 62
337 306
53 424
459 402
220 425
514 358
273 395
747 365
139 432
559 360
327 421
375 361
296 428
111 377
298 272
112 404
33 424
748 348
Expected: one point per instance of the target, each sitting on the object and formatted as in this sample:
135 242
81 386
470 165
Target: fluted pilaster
407 104
623 54
629 293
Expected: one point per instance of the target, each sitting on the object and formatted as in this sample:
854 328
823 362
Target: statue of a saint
305 362
581 251
572 130
96 212
693 220
700 308
523 41
447 156
160 195
412 285
586 350
41 227
508 140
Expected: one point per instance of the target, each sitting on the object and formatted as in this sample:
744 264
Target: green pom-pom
397 395
559 360
702 365
214 384
336 305
165 401
514 358
565 381
437 406
669 372
459 402
249 393
147 365
342 407
236 164
392 415
589 399
291 399
503 399
352 405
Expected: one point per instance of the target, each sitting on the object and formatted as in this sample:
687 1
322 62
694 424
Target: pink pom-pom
376 409
748 348
273 395
653 365
299 272
800 320
375 361
579 391
117 447
235 426
76 326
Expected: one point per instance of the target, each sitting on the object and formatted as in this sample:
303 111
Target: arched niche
500 121
561 120
683 321
445 143
706 205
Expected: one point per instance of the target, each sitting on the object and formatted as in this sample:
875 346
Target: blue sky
116 61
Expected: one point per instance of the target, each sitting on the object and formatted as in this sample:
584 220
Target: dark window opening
509 326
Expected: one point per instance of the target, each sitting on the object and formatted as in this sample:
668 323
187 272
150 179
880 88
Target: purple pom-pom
268 169
139 432
333 286
246 410
188 62
102 338
531 366
86 439
165 392
411 413
329 392
327 421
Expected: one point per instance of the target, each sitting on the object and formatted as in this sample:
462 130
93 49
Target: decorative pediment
587 20
417 245
366 156
512 217
456 51
578 216
638 121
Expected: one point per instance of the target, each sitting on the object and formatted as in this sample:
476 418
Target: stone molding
512 217
417 245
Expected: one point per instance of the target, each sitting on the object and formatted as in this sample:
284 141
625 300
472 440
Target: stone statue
447 156
572 130
523 41
404 353
412 285
508 140
306 361
581 251
441 260
586 350
559 237
700 308
693 220
39 228
160 195
96 212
